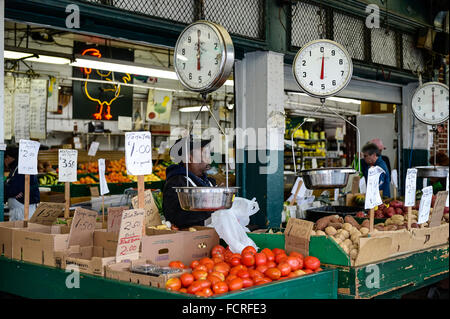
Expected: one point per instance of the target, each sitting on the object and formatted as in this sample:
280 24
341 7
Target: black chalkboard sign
99 101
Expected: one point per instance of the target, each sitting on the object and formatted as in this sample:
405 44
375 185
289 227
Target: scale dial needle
432 100
198 50
323 62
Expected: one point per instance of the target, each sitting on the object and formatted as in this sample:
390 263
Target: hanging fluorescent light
310 120
35 57
193 109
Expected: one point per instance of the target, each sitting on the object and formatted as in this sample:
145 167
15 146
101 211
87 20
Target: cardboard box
164 246
39 244
93 258
121 271
6 231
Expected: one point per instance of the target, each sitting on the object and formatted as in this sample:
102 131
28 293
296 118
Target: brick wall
441 140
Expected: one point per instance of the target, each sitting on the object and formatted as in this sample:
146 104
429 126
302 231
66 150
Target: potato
345 233
398 217
330 230
335 225
344 247
312 233
320 233
341 237
347 226
388 222
390 228
323 222
347 242
337 240
351 220
353 253
365 223
364 231
398 222
355 238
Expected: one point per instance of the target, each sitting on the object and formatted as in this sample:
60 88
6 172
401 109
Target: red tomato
243 274
227 255
293 262
273 273
281 257
255 274
230 278
216 259
248 259
237 256
194 287
292 274
213 279
176 264
271 264
205 292
308 271
236 269
206 261
183 290
194 264
311 262
234 261
262 268
318 270
285 277
220 287
277 251
269 254
284 268
260 259
173 284
220 275
218 249
200 274
201 267
235 284
186 279
247 282
249 249
296 254
204 283
222 267
261 281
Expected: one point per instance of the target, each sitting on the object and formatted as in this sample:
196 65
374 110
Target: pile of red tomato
226 271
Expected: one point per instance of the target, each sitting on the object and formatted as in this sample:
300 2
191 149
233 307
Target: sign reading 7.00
138 153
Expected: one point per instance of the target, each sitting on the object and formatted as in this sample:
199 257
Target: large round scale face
430 103
204 56
322 68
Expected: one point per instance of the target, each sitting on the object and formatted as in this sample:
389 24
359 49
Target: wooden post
371 219
395 193
409 217
141 197
300 183
26 203
103 209
67 200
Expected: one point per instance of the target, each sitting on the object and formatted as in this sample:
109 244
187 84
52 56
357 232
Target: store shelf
309 141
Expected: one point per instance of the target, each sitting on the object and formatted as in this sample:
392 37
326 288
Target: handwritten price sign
410 189
67 164
28 153
47 213
425 205
115 217
138 153
130 234
373 197
82 228
93 148
101 173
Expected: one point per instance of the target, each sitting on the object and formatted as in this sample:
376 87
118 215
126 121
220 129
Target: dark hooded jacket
175 177
15 184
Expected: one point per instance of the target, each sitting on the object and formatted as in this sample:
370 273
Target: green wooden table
38 281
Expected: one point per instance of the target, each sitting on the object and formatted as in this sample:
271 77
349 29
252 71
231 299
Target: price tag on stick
115 217
438 209
130 234
373 197
394 182
138 153
410 187
93 148
425 205
67 165
101 174
28 154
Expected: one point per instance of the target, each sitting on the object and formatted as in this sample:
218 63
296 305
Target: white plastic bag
230 224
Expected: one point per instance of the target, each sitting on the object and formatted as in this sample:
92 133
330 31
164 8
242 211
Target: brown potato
351 220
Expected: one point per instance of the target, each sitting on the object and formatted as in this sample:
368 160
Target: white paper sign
124 123
67 165
446 188
425 205
394 178
410 187
93 148
130 234
28 153
373 197
362 185
138 153
425 182
101 174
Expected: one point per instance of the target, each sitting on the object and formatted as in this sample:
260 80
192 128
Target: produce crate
405 272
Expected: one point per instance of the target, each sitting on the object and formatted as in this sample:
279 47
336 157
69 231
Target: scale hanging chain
321 26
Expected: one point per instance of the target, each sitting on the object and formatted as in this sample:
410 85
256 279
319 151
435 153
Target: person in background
439 184
372 157
199 164
14 187
381 147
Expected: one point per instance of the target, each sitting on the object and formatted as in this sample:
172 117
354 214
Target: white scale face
322 68
199 56
430 103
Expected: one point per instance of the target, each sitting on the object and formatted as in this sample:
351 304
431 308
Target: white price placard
93 148
138 153
362 185
101 174
394 178
28 154
130 234
410 187
373 197
67 165
425 205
